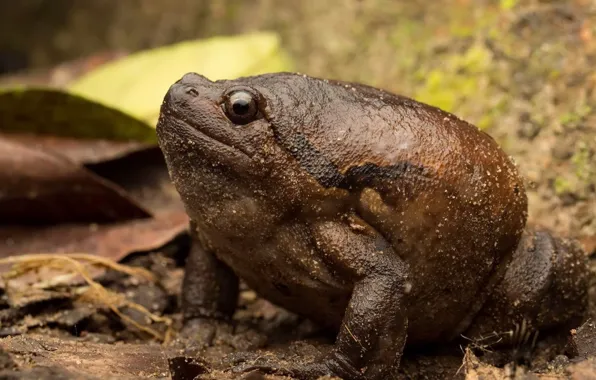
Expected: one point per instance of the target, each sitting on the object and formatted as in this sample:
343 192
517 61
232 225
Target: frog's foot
545 287
296 367
207 332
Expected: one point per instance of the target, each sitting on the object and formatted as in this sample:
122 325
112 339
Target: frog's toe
247 339
204 332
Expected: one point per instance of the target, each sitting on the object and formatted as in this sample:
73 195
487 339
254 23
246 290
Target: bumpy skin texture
545 287
368 212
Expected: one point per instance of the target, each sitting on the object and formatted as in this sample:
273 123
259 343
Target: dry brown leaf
39 188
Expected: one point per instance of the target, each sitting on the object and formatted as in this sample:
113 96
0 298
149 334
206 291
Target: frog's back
456 218
455 212
443 193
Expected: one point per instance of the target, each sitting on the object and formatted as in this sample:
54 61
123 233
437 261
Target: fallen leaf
137 83
57 113
40 188
62 74
143 174
79 151
113 241
581 342
65 73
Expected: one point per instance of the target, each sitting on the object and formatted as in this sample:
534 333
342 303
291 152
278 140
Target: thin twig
95 291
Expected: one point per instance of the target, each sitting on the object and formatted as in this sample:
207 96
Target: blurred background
521 69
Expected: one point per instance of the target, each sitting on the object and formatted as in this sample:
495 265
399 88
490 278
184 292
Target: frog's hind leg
545 287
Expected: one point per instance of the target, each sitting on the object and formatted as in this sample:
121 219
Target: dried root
75 265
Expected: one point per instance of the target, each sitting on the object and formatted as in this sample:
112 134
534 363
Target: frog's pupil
241 106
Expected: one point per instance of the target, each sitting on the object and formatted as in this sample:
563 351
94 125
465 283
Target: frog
380 218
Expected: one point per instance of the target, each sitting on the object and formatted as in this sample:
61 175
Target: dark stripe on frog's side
356 177
312 160
367 174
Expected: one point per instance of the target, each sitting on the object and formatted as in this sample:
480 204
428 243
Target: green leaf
54 112
137 84
508 4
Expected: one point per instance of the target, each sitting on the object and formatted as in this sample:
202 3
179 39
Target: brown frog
380 217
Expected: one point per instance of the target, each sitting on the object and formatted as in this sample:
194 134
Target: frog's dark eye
240 107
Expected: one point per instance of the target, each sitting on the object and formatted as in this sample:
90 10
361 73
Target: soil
521 70
66 337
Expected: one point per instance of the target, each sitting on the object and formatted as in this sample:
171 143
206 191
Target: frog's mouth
175 133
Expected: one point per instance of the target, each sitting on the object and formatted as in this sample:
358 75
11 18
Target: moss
581 162
562 186
459 79
507 4
403 38
576 116
582 175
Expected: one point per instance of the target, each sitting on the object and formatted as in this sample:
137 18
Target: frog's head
245 136
220 124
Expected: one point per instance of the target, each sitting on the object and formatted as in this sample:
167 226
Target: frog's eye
240 107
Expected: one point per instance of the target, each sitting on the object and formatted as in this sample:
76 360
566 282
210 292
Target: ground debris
585 369
184 368
90 295
77 359
475 369
583 340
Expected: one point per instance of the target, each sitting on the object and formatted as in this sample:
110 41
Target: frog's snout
190 86
194 79
181 93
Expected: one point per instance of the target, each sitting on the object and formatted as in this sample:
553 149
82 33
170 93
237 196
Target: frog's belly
321 304
288 271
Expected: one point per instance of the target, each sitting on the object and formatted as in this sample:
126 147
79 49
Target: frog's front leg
209 297
373 331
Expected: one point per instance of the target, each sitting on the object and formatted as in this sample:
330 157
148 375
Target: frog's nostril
180 92
192 91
